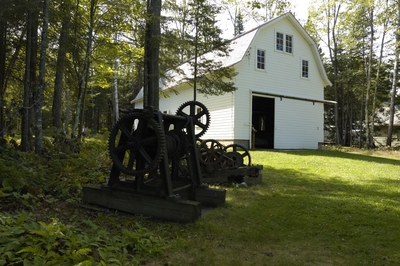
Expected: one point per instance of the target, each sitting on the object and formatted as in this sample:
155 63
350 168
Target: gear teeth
240 150
203 107
118 158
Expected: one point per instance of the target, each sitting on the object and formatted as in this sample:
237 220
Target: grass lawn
313 208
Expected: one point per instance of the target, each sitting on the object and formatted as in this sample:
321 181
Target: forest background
68 66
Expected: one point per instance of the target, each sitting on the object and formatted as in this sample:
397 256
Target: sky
299 7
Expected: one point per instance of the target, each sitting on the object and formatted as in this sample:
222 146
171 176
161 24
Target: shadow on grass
307 219
344 155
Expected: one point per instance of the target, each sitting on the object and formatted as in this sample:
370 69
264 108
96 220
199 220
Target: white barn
280 93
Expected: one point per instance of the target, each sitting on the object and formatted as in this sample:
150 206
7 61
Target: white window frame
289 44
282 44
258 63
305 69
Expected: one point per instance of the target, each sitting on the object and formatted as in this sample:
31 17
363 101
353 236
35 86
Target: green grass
313 208
323 207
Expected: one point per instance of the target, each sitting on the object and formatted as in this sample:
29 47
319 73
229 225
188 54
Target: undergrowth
41 222
24 240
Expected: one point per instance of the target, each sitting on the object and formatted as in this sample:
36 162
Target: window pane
279 41
304 71
289 43
260 59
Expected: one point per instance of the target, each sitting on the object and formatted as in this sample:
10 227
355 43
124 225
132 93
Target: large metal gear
239 155
198 112
211 153
136 144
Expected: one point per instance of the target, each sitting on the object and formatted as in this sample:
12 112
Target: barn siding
282 76
298 124
220 108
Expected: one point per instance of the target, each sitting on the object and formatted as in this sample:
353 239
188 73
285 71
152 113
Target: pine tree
208 75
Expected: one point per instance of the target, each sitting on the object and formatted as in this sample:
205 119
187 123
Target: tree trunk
196 54
42 85
81 127
115 90
395 80
392 103
33 73
377 80
84 75
3 44
152 54
368 140
61 58
93 126
333 57
25 145
67 113
360 138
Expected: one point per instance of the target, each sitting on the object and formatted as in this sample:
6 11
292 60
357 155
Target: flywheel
211 152
136 144
239 155
198 112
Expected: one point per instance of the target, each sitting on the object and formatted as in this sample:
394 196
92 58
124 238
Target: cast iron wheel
198 112
238 154
211 152
136 144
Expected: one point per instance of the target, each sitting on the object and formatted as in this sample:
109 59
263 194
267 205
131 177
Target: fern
82 251
29 181
80 254
35 250
86 263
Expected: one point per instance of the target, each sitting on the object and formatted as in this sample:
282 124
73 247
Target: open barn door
263 119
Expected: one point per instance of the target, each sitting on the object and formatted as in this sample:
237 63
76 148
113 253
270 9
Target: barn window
284 42
304 68
289 44
260 59
279 41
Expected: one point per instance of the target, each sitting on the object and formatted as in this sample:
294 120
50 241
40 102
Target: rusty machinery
165 165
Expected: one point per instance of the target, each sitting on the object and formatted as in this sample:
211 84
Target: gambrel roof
239 46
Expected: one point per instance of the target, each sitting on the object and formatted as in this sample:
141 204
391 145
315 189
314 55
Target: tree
268 9
351 38
152 54
370 14
332 15
13 27
384 18
3 44
360 42
82 72
239 28
209 77
60 66
42 82
395 78
30 76
235 10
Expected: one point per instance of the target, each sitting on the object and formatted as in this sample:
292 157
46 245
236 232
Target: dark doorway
263 122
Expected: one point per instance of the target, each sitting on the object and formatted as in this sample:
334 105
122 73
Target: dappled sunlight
308 210
328 202
375 193
353 156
